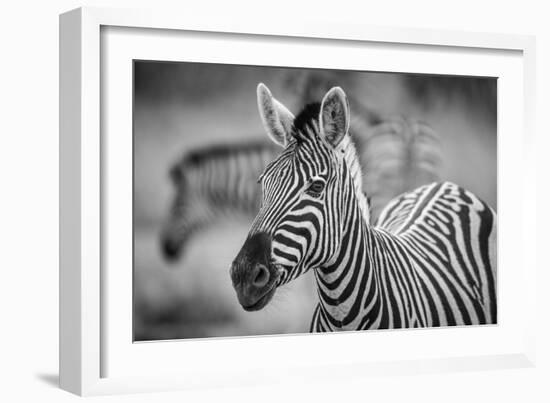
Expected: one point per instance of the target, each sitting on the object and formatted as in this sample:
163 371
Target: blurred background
182 107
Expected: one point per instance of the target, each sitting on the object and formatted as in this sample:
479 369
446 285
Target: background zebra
430 261
210 183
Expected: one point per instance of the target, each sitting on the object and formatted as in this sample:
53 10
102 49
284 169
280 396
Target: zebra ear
334 116
277 119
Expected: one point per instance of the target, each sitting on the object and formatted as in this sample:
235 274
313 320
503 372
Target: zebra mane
306 121
347 148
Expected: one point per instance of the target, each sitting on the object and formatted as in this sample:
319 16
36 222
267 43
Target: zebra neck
348 287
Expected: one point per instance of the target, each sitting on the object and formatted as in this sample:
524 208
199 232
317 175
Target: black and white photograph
276 200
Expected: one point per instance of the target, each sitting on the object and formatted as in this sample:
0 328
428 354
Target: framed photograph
239 198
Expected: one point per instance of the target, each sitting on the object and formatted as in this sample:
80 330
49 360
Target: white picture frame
89 338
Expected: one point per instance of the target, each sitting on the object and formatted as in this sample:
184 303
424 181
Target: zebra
220 180
429 261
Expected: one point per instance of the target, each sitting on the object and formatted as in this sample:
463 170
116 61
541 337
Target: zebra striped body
429 261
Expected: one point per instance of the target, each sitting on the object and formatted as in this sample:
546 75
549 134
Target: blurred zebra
210 183
398 155
430 261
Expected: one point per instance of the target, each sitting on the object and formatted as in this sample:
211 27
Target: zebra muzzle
171 249
173 243
254 277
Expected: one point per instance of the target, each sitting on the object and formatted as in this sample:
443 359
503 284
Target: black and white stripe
433 265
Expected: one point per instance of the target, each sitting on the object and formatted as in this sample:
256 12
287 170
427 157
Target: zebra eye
316 187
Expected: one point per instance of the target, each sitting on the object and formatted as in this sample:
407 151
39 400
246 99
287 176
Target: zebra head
179 225
300 222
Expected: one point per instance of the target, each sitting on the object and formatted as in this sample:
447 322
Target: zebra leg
315 321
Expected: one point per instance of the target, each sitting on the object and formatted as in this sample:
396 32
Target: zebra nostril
260 276
170 249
